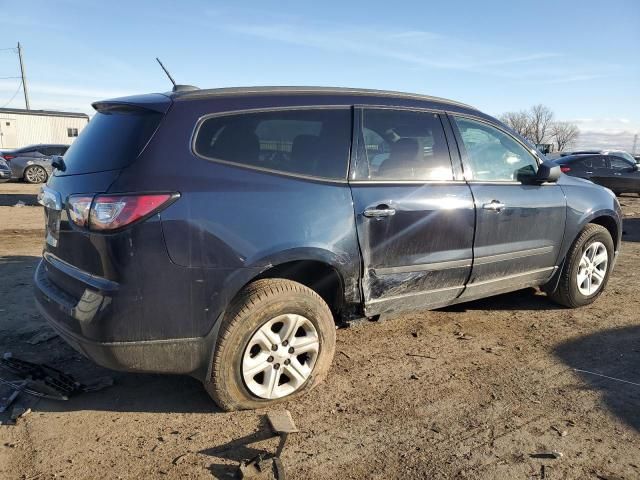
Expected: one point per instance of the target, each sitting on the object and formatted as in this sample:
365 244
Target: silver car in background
5 171
33 163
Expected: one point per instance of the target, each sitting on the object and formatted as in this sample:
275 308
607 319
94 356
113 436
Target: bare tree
564 134
541 119
518 121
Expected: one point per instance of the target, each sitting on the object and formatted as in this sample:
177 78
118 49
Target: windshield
624 155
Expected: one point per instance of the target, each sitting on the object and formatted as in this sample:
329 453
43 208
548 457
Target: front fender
587 202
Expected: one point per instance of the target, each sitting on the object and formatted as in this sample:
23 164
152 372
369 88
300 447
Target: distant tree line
539 126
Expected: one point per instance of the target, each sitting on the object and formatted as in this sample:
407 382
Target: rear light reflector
564 169
78 208
111 212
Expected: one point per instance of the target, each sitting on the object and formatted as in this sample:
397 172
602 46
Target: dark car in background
33 163
614 153
225 233
616 173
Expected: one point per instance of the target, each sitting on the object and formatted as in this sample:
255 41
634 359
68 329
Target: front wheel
35 174
587 267
276 342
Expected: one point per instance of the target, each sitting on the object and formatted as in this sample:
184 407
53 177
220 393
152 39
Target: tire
35 174
254 310
568 292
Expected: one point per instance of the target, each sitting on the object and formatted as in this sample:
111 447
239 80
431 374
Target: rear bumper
72 319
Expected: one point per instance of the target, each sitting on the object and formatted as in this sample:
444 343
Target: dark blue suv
225 233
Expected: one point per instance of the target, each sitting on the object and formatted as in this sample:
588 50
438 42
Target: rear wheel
276 342
586 270
35 174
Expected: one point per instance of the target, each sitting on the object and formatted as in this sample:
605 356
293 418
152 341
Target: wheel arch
609 219
608 222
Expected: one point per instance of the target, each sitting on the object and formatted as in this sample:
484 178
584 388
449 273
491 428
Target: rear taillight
112 212
8 157
565 169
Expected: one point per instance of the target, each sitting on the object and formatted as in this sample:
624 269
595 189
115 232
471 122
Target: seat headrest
304 145
237 144
405 150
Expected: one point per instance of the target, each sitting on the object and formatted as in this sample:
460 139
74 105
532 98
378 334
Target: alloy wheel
280 356
592 269
36 175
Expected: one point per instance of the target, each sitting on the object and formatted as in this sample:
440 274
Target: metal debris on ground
42 337
264 467
19 412
547 455
562 433
261 468
6 402
43 381
463 336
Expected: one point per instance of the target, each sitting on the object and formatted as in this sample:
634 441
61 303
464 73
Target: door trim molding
501 257
469 291
412 294
464 263
512 277
422 267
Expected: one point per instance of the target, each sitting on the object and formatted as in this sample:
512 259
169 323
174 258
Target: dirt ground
468 392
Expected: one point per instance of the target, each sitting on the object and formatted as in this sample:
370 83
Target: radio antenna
167 72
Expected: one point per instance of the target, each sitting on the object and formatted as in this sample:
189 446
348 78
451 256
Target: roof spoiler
154 102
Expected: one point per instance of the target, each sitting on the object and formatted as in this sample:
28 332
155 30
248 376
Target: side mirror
548 172
58 163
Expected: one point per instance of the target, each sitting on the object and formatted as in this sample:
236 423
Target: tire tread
239 310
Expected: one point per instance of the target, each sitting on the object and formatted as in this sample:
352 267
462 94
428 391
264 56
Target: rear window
112 140
305 142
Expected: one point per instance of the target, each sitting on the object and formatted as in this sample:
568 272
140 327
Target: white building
19 128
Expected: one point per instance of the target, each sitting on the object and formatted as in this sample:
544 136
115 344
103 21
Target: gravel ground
474 391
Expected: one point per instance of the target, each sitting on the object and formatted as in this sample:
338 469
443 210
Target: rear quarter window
312 142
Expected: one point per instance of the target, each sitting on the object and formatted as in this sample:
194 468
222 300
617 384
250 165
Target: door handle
494 205
379 212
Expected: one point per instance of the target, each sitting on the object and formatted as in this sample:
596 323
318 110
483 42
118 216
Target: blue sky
581 58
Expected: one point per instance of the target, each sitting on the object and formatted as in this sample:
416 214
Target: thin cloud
59 90
408 47
573 78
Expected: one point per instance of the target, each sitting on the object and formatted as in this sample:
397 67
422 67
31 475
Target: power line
7 78
14 95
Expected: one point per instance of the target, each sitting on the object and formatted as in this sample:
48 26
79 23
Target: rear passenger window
591 163
402 145
304 142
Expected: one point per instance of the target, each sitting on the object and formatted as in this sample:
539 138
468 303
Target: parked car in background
615 153
616 173
225 233
5 171
33 163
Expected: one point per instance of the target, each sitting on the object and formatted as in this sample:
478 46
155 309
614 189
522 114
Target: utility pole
24 78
